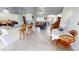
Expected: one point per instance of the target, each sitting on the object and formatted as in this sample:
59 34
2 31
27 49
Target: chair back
56 24
24 19
73 32
23 26
30 25
67 38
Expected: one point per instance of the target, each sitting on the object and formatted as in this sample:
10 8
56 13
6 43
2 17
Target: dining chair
55 25
30 27
66 40
22 30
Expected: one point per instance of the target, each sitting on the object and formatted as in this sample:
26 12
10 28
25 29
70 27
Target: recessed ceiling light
40 13
59 15
51 15
5 11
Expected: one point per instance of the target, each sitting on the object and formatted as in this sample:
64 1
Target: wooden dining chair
23 30
30 27
66 40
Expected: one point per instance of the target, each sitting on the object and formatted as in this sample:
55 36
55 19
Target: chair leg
67 46
20 35
57 42
24 34
30 30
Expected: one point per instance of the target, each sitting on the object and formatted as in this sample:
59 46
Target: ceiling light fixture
41 13
5 10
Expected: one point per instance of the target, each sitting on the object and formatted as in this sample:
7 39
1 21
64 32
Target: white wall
74 19
67 12
9 16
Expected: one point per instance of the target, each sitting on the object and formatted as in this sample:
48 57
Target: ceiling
33 10
49 10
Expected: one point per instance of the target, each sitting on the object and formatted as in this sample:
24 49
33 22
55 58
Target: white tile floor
36 41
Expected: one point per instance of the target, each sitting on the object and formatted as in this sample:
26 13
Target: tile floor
36 41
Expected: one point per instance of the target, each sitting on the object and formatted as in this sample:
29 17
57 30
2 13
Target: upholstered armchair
56 24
